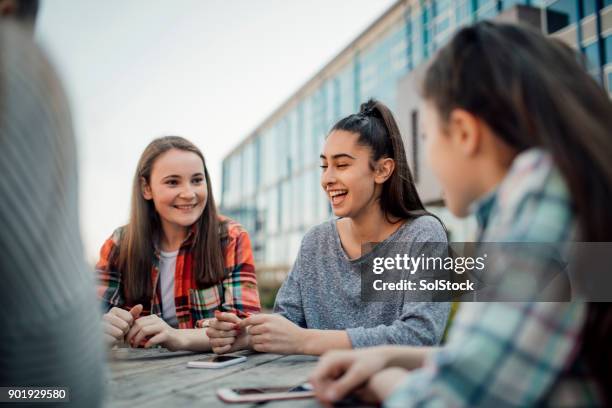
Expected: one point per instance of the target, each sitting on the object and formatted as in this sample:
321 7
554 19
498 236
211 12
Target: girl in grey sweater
321 306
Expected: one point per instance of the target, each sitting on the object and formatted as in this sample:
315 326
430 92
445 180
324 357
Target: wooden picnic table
160 378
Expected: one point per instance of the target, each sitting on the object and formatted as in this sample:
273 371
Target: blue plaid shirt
512 354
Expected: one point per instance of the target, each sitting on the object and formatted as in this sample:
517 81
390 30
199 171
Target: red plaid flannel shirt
237 293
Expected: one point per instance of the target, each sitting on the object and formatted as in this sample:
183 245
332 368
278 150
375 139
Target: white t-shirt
167 267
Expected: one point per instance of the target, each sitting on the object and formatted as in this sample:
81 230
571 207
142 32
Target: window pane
588 7
560 14
506 4
592 54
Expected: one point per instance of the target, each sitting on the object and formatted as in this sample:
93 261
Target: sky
207 70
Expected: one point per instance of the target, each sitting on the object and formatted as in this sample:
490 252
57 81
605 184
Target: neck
490 182
492 173
172 237
494 164
371 225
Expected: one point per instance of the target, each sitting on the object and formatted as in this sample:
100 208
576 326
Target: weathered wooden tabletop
159 378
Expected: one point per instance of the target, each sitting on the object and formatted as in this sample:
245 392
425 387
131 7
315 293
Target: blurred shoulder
117 235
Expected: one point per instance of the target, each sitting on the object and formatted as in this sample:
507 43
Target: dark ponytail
534 92
378 130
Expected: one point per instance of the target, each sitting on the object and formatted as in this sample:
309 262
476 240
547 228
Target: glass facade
589 24
560 14
271 181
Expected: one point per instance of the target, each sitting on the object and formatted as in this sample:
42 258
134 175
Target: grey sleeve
288 301
51 333
420 323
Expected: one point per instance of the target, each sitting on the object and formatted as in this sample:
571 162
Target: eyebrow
338 156
177 176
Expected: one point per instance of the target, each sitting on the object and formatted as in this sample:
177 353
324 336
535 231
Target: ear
464 130
383 170
145 189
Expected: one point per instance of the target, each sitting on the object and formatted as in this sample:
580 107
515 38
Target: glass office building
586 25
271 180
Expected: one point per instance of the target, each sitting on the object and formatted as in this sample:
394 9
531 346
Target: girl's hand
272 333
117 322
340 372
225 333
157 331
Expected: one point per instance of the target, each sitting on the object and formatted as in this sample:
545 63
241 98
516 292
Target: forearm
195 340
316 342
407 357
385 382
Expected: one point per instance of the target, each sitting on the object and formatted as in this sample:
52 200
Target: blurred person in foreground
50 326
23 12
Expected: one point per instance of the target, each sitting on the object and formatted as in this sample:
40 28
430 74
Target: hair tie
367 113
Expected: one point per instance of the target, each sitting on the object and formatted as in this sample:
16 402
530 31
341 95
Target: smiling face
177 187
347 178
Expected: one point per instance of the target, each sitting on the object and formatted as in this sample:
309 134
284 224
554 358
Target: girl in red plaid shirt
177 261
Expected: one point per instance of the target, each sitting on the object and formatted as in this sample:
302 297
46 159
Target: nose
187 193
328 177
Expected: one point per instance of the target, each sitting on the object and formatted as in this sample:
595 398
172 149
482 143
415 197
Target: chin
182 223
188 222
458 210
340 212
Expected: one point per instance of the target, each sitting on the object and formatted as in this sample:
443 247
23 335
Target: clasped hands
122 325
267 333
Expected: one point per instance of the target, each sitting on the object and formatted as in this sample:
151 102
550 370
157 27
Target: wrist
242 343
305 344
182 339
386 382
388 355
409 358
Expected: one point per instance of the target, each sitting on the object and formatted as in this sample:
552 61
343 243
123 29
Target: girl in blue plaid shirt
518 133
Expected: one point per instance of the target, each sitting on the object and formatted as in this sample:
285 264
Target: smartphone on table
259 394
216 361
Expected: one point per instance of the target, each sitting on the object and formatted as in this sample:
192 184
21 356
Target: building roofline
318 76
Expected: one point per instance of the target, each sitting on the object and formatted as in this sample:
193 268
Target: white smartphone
259 394
216 361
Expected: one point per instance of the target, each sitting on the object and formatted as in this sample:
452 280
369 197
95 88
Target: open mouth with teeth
337 196
185 207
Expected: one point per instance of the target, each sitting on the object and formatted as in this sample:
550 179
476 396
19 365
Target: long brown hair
378 130
136 247
534 91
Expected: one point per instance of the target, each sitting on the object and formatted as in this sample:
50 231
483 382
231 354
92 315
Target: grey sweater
323 291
